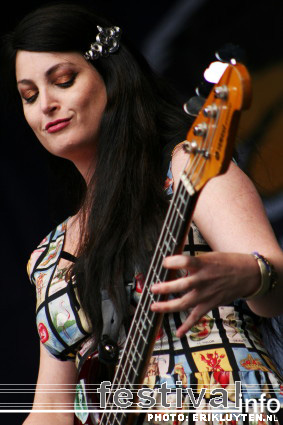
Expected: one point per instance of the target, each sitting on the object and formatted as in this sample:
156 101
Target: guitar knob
108 350
210 111
200 129
221 92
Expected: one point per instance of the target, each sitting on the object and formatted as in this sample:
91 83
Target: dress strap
67 256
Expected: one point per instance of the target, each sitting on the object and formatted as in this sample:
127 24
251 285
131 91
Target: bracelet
269 278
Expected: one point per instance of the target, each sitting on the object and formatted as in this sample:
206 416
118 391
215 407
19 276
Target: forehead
30 64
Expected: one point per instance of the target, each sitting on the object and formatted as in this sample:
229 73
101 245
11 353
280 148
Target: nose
48 102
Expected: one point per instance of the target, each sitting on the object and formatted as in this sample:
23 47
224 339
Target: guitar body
91 375
209 146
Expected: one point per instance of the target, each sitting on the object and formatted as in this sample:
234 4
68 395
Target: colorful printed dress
223 347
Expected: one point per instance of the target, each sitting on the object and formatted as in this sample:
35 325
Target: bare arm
55 389
231 217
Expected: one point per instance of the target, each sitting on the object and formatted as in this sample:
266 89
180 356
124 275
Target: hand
214 279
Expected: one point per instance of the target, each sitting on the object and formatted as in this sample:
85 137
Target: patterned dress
225 346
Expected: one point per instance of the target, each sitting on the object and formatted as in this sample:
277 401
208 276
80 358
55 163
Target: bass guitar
209 145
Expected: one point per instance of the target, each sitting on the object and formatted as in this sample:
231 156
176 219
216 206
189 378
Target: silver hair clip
107 41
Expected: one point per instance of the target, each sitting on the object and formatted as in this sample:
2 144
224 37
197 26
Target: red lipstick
57 125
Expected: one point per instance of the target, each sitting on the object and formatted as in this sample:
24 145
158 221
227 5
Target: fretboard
145 323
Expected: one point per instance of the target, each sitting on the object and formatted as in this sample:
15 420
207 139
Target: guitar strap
113 322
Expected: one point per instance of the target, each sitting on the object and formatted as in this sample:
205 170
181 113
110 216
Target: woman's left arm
231 218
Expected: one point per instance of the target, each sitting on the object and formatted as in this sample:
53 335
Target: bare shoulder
229 211
72 235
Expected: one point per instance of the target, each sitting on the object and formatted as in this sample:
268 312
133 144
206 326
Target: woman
102 109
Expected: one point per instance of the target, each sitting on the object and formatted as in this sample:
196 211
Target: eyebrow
49 72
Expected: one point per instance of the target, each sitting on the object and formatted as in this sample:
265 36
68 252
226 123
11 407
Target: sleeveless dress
225 346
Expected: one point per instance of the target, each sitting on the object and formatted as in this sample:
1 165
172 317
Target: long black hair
124 203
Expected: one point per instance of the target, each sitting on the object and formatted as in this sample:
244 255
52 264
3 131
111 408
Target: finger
176 304
178 285
181 262
195 315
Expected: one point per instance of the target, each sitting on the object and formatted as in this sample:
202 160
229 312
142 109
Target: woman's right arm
55 389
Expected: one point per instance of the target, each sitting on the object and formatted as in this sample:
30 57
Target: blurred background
179 38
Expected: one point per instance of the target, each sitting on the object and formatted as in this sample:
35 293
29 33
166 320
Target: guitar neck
146 323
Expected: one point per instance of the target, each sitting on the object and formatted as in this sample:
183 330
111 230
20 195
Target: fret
150 294
133 352
133 366
155 278
168 246
155 274
144 322
162 253
122 370
170 234
112 418
144 319
182 198
187 184
149 321
143 312
143 337
136 352
125 380
153 300
180 214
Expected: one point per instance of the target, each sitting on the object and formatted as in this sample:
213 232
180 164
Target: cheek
93 97
91 109
34 124
96 102
30 118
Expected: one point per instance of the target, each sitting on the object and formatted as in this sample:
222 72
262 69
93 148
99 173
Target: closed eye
63 82
68 83
30 99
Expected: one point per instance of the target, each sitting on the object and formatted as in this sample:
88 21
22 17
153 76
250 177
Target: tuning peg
204 88
230 52
200 129
194 105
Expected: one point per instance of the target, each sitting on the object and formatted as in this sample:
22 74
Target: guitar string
212 128
133 342
116 415
136 320
149 294
167 228
163 255
196 159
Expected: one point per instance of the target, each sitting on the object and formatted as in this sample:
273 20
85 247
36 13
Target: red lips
56 122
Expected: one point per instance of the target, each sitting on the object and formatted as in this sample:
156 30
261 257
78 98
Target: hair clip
107 41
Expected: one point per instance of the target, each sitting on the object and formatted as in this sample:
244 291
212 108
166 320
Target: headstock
210 140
